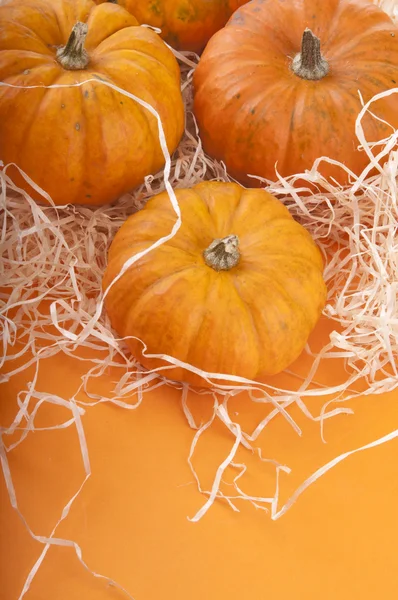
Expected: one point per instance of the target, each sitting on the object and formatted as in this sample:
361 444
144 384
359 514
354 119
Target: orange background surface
339 540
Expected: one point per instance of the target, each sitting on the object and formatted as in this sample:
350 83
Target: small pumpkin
236 291
185 24
86 144
279 86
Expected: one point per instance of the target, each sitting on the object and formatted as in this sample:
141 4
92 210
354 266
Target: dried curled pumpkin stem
74 56
309 63
223 254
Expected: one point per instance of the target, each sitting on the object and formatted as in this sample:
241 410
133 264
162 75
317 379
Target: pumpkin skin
85 144
255 113
252 320
185 24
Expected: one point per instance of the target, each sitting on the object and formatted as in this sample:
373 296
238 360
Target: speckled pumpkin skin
86 144
252 320
255 114
185 24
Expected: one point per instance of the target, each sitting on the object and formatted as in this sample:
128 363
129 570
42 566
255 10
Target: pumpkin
86 144
185 24
236 291
279 86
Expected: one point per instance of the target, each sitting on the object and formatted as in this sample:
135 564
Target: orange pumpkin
86 144
185 24
269 91
236 291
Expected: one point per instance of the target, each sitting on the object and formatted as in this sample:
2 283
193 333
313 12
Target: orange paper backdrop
339 540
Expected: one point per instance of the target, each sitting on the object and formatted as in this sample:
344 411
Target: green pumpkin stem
74 56
309 63
223 254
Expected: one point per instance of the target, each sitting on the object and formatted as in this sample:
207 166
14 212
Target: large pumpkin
86 144
185 24
279 85
236 291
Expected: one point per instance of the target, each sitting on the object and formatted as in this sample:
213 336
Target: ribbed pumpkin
185 24
86 144
236 291
279 85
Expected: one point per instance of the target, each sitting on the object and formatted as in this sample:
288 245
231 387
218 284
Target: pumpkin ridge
150 98
292 256
270 89
138 37
83 121
367 93
288 254
338 55
292 305
296 229
63 34
235 213
25 133
347 43
207 301
236 209
167 212
83 144
365 62
282 89
270 351
142 110
100 129
234 225
188 230
301 306
249 32
146 55
29 54
152 286
121 293
191 254
106 67
332 28
252 321
372 81
272 277
132 310
31 33
203 200
288 136
211 284
62 38
367 90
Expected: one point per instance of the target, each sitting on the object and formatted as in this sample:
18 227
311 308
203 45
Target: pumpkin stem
223 254
73 56
309 63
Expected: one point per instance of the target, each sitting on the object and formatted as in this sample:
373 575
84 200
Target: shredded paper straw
58 254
